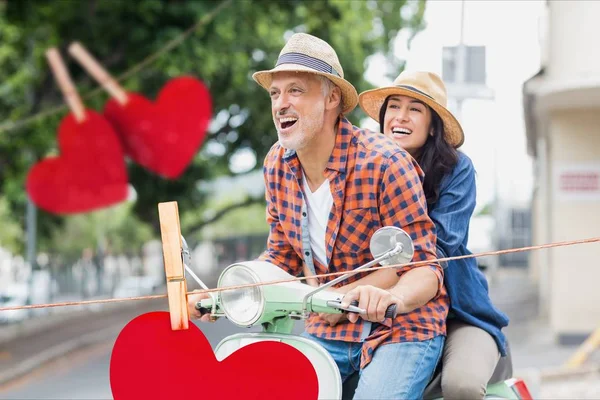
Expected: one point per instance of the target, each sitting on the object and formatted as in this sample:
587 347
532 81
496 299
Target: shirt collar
339 156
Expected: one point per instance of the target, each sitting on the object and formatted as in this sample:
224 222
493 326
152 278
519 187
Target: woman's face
408 122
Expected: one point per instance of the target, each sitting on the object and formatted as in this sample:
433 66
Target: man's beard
306 131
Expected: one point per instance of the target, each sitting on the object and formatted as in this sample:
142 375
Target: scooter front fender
328 374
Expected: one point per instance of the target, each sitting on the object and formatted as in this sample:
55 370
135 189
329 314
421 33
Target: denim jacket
466 284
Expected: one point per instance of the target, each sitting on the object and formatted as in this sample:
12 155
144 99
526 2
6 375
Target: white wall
575 270
574 38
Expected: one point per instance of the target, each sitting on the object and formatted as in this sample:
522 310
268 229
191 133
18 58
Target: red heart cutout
163 136
89 173
151 361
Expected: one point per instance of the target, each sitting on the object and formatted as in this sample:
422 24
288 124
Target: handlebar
204 306
391 311
203 310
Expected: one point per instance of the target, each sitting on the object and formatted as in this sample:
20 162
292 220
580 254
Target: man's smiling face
298 108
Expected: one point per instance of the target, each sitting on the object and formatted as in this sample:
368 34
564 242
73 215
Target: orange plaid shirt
374 183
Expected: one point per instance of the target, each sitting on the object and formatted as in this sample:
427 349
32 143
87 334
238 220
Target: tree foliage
245 36
11 232
113 229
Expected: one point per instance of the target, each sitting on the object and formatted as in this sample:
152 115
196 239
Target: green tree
113 228
11 232
243 37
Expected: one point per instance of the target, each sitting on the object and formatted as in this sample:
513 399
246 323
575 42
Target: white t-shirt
319 206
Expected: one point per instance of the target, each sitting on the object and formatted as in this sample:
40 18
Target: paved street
83 374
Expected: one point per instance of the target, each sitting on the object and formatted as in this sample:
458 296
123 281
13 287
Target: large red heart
163 136
151 361
89 174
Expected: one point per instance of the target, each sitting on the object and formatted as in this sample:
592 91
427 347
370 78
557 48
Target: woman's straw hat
307 53
423 86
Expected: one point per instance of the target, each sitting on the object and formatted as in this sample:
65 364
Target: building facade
562 113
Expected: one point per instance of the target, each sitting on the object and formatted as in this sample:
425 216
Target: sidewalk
537 357
540 361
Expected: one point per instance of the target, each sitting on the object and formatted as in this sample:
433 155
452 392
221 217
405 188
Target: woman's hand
374 300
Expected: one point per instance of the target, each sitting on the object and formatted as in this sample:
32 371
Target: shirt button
304 214
306 253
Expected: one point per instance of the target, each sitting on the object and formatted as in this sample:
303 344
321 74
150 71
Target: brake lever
351 308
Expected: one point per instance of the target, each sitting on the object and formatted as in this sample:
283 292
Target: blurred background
523 79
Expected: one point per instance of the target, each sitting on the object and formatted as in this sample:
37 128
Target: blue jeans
397 370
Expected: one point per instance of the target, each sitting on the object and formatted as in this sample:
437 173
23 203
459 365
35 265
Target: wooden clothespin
96 70
172 247
65 84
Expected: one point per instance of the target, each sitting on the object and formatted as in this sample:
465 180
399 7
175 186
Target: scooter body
276 307
328 374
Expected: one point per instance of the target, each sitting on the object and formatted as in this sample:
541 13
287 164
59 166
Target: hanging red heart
163 136
151 361
89 173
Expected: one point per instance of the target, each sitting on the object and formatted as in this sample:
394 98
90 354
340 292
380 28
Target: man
329 186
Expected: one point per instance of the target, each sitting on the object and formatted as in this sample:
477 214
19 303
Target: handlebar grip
203 310
391 311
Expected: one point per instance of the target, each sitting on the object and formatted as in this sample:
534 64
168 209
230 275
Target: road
85 373
80 375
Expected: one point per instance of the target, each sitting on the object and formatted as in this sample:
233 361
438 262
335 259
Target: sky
494 129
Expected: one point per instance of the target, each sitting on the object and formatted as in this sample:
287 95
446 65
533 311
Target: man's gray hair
326 88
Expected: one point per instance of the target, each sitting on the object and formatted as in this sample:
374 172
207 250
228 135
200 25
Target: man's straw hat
423 86
307 53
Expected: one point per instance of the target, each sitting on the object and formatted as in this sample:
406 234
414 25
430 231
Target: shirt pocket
356 228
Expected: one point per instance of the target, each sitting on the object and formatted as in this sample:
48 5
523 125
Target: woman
413 112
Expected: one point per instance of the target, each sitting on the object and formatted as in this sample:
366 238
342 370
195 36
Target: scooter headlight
242 306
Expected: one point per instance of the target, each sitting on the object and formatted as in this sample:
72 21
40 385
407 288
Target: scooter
276 307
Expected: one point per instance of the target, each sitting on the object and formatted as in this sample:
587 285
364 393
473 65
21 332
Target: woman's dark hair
436 157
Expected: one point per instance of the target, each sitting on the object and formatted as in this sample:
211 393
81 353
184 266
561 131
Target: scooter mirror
385 239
